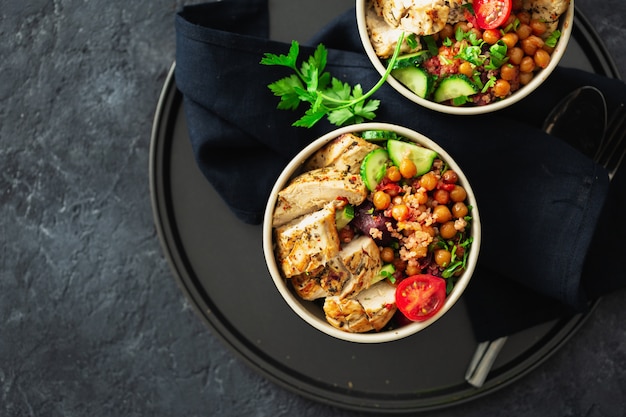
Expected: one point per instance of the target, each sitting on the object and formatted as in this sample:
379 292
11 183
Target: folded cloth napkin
540 200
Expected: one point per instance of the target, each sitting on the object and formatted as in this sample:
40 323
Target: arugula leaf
326 95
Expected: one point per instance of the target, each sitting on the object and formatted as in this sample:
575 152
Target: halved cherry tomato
492 13
419 297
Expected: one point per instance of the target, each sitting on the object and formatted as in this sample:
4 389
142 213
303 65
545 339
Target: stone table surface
92 322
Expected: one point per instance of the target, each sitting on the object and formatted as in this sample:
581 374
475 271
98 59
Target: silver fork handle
482 361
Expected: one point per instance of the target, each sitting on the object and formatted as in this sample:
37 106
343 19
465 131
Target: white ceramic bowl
313 313
566 26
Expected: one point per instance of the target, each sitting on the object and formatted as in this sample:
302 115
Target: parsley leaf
326 95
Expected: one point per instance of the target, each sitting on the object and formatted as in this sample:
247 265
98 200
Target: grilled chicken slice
353 270
370 310
361 258
324 282
387 19
384 37
308 242
548 11
422 17
344 153
312 190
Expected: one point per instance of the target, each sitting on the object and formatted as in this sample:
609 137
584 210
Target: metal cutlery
604 143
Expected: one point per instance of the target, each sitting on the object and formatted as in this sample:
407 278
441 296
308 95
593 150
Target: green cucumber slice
378 135
412 59
422 157
454 86
385 272
373 168
344 216
415 79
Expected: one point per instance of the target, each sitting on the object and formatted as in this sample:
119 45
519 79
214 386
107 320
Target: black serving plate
218 262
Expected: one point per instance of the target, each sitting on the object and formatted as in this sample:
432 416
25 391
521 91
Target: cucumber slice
373 168
415 79
454 86
344 216
385 272
422 157
378 135
411 60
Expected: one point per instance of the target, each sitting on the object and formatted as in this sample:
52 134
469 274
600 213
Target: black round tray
218 262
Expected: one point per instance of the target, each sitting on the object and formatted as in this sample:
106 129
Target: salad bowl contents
466 56
371 233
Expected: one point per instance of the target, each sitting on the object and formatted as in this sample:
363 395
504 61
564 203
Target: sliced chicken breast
548 11
387 19
370 310
325 282
384 37
361 258
344 153
314 189
308 242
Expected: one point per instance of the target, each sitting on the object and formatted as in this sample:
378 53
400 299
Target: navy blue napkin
540 199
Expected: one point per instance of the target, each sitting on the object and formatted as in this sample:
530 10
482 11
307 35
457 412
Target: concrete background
92 322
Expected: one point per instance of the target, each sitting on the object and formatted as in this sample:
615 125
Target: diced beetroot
366 218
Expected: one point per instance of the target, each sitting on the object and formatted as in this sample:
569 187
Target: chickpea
491 36
515 55
531 44
428 181
407 168
412 270
538 27
441 196
447 32
510 20
477 32
466 68
501 88
420 252
430 230
459 210
400 212
541 58
442 214
450 177
381 200
510 39
387 254
461 25
524 17
421 198
443 257
508 72
526 77
393 174
458 193
527 64
447 230
523 31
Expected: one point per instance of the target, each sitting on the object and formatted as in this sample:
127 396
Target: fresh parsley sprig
325 95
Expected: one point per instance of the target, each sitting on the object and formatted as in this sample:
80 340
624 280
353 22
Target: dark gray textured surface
91 321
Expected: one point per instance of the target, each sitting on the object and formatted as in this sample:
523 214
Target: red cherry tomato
419 297
492 13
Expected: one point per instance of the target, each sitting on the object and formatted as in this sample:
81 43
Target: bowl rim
296 303
566 32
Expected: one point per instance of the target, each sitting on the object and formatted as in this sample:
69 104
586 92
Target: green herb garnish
325 95
553 38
